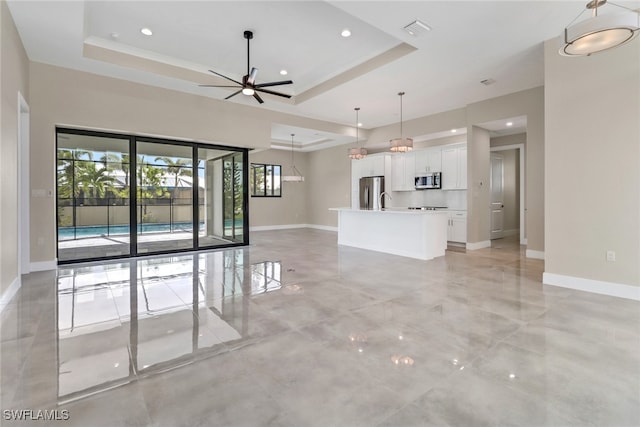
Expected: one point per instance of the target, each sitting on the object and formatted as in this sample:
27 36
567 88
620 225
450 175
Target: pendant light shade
295 176
358 152
600 32
401 145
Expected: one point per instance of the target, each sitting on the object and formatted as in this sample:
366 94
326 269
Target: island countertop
420 234
393 210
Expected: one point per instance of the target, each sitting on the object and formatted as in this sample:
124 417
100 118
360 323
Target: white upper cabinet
454 168
403 172
369 166
428 160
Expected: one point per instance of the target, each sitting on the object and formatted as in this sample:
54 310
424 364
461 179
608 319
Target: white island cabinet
409 233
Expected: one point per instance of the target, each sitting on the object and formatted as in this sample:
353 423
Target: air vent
417 28
487 82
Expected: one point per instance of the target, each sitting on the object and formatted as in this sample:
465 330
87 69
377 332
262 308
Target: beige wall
327 176
478 188
501 141
292 207
420 126
330 185
14 67
592 158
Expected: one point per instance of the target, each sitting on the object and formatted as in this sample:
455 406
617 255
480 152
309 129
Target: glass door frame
133 191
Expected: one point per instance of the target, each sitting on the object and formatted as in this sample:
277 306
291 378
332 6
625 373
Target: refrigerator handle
366 197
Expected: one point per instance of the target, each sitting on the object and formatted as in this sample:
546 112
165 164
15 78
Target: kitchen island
410 233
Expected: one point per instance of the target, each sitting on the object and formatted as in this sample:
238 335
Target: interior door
497 195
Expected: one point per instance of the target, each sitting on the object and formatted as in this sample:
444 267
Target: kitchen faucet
381 196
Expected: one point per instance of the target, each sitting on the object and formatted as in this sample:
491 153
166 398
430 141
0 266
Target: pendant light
401 145
357 153
600 32
295 176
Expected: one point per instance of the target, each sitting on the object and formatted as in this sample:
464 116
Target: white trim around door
24 188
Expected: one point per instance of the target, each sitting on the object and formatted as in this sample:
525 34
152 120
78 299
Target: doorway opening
507 188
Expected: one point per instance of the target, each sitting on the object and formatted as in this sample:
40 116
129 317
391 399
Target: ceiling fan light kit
248 85
600 32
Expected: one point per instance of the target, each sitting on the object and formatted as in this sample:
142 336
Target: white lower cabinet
457 227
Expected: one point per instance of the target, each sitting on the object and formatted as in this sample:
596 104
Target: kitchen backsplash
452 199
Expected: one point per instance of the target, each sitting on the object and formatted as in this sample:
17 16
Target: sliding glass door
222 197
93 184
233 196
164 178
120 196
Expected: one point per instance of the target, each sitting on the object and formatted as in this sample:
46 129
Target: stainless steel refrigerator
370 189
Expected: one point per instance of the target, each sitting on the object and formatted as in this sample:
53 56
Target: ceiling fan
248 85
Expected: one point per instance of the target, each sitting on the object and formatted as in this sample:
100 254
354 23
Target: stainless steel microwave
428 181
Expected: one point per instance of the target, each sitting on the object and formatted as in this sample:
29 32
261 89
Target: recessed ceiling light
146 31
509 123
359 124
283 72
345 33
454 130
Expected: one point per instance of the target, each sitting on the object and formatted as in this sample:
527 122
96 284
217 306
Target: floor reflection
120 320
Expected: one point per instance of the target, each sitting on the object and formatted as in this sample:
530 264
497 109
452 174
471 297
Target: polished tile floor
296 331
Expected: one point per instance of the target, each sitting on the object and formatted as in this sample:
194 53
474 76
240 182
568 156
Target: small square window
265 180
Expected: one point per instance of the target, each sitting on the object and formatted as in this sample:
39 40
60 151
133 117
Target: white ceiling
439 70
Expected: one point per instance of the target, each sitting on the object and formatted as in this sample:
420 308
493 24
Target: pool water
65 233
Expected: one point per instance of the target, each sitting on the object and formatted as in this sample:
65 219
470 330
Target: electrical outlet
611 256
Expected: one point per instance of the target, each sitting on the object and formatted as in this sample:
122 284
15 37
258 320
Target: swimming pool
66 233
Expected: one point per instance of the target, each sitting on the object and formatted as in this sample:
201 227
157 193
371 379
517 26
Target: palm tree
118 162
179 167
95 181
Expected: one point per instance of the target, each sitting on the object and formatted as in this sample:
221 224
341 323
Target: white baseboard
534 254
292 226
276 227
479 245
9 293
595 286
43 265
323 227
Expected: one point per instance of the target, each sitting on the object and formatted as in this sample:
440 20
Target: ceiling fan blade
225 77
257 97
215 86
284 95
234 94
283 82
252 76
